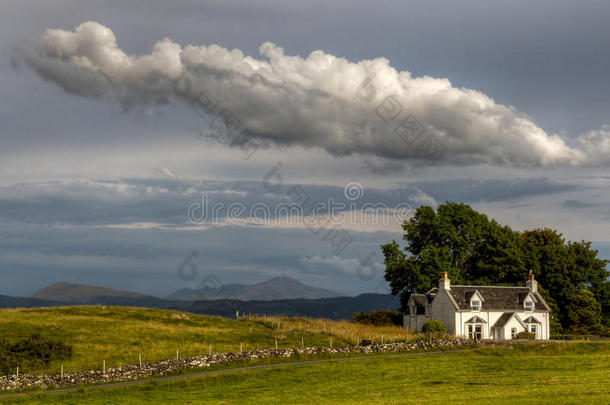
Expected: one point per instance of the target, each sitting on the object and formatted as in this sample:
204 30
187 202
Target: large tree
475 250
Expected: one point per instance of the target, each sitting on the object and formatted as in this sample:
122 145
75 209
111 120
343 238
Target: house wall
512 323
442 308
415 322
491 317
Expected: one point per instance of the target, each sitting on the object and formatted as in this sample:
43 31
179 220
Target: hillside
332 308
23 302
119 334
278 288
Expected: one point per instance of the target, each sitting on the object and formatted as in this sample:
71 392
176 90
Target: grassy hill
119 334
542 373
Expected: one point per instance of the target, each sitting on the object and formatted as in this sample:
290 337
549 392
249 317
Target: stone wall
165 367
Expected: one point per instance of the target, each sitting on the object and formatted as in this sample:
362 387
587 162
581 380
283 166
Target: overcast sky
119 117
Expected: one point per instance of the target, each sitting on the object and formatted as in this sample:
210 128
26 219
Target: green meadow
540 372
547 373
119 335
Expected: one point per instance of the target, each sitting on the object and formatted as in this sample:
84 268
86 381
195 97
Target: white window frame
472 331
529 308
513 333
533 328
475 307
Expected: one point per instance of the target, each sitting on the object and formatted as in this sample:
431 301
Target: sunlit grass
345 331
537 373
119 334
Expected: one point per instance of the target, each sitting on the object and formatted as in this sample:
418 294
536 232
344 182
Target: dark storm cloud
166 201
494 190
548 59
577 204
145 260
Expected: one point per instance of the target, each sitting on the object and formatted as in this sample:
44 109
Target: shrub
574 336
380 317
34 350
434 326
526 336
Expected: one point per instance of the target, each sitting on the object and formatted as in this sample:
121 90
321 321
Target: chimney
444 283
531 283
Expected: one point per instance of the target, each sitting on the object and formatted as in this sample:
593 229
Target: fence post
302 343
210 349
140 360
17 371
104 366
241 347
331 343
177 357
276 343
62 372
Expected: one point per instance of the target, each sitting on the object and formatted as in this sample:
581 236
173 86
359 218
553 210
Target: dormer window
475 305
529 306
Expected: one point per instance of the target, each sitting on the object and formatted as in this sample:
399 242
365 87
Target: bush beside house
434 326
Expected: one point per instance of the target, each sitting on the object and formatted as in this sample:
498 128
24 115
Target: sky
270 138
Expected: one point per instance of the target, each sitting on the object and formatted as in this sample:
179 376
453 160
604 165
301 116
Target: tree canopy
478 251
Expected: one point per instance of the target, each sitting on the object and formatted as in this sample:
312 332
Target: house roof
422 299
419 299
504 318
494 298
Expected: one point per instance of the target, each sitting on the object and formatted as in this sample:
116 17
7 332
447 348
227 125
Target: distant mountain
324 304
22 302
83 294
332 308
224 291
278 288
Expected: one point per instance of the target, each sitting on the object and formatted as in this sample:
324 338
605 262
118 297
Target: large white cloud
324 101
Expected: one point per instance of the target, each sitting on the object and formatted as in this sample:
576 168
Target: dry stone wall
159 368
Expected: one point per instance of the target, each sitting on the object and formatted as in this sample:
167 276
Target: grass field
119 334
549 373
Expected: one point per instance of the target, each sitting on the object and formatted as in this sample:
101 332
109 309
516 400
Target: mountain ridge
64 291
276 288
333 307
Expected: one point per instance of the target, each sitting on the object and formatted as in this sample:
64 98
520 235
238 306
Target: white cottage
481 312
